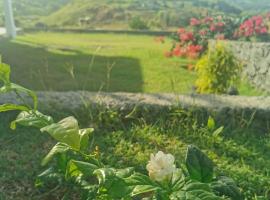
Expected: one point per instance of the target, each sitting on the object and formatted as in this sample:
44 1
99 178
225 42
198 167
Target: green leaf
84 137
4 73
19 89
211 123
10 107
124 173
32 118
178 180
111 184
104 175
225 186
199 166
195 191
66 131
141 184
218 131
59 148
77 168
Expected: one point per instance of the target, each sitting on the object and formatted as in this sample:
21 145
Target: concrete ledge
230 110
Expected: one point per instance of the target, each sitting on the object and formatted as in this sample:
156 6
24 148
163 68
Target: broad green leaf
19 89
104 175
48 176
59 148
32 118
77 168
227 187
9 107
141 184
4 73
199 166
115 187
194 191
178 180
124 173
218 131
84 137
66 131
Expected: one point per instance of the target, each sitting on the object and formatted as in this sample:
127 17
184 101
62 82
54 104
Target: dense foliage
192 41
76 166
218 70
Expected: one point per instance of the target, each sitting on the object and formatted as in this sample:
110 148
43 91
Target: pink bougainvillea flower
188 36
213 28
194 22
208 20
203 32
181 30
264 30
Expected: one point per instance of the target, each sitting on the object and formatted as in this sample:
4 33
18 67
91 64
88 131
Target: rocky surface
235 111
74 100
256 60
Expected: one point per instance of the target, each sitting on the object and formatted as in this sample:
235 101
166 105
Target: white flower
161 166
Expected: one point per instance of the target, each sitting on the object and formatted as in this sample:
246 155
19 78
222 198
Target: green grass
93 62
237 153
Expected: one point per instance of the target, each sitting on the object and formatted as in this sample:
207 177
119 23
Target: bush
217 71
138 24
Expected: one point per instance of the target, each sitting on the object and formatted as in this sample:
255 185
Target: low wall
233 111
77 30
256 60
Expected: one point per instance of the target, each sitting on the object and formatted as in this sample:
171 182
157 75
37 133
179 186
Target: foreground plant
76 167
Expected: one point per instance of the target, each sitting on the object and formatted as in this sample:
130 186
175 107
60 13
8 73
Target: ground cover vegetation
99 62
71 170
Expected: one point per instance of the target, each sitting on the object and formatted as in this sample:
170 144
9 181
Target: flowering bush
192 41
255 26
77 167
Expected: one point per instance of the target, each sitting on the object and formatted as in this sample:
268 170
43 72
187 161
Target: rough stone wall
256 61
233 111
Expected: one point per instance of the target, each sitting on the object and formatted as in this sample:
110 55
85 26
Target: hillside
26 11
156 13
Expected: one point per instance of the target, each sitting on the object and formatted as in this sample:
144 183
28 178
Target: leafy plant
78 167
217 71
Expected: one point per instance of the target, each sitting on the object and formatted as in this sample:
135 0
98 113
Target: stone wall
232 111
256 60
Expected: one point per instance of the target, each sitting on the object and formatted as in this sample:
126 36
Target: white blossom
161 166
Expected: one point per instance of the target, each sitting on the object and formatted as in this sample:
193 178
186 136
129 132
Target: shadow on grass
65 69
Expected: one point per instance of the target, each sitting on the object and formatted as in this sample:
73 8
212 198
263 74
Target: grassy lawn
94 62
237 153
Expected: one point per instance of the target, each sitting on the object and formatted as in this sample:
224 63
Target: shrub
217 70
138 24
254 28
192 41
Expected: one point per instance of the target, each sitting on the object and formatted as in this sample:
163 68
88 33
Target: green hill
27 11
118 13
157 14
